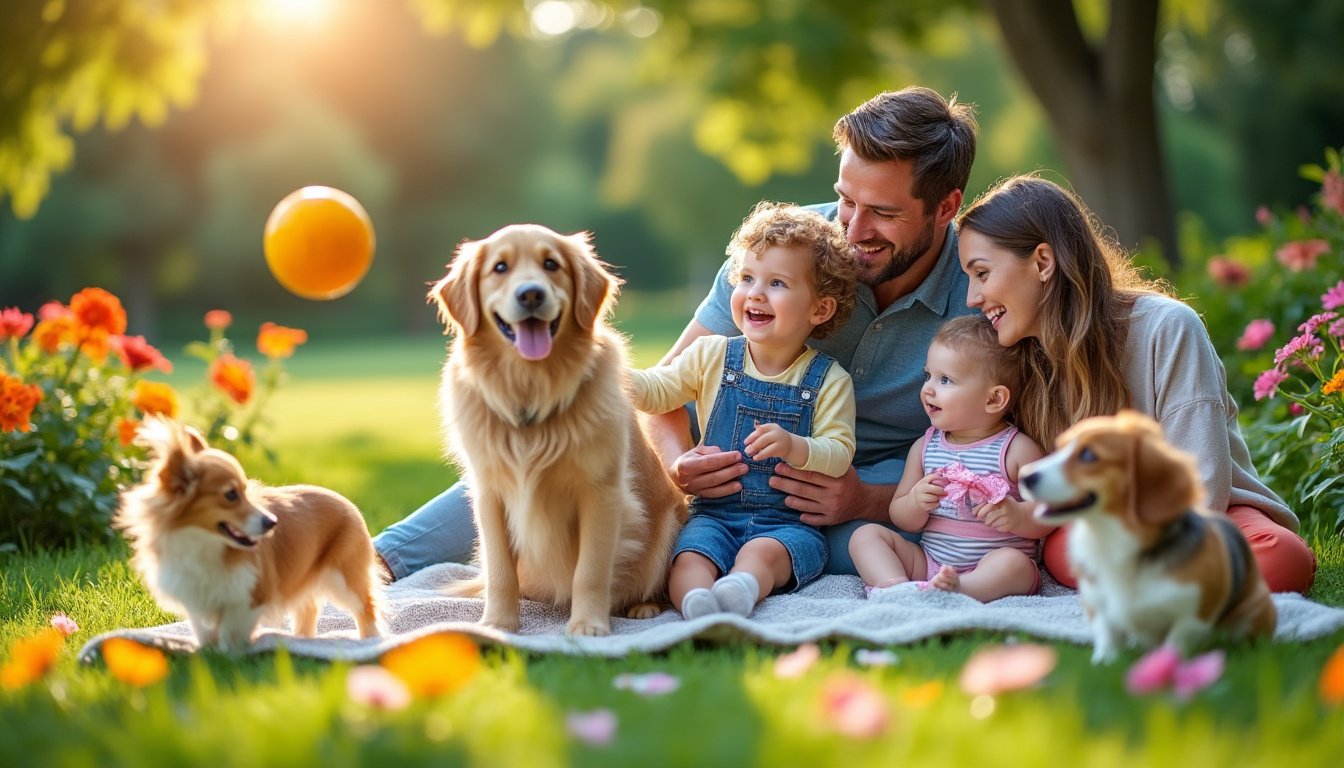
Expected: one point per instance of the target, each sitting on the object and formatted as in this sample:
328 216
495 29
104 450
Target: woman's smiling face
1007 288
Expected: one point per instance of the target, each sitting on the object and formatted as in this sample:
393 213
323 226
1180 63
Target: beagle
1152 566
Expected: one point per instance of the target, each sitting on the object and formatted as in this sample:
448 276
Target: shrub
73 390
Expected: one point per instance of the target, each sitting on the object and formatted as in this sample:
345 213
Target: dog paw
643 611
582 628
503 623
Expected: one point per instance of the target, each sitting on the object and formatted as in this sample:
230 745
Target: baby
960 481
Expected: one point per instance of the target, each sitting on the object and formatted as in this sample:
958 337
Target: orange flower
97 310
14 324
31 658
139 355
54 331
435 664
1335 384
133 663
234 377
277 341
17 401
922 695
1332 678
218 319
155 397
127 430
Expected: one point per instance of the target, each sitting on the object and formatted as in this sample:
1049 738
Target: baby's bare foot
947 579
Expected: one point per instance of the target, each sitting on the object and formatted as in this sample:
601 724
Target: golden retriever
1152 566
572 505
229 553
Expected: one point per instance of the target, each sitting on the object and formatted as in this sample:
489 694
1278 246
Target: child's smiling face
957 394
773 302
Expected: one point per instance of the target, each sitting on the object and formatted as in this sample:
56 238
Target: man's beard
902 260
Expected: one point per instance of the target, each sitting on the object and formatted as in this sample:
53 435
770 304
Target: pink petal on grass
597 727
64 624
651 684
853 707
795 664
1003 668
1197 674
373 686
1153 671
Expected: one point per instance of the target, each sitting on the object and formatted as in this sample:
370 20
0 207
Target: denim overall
718 528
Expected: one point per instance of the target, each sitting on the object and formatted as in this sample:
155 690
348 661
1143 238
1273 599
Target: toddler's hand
768 441
928 492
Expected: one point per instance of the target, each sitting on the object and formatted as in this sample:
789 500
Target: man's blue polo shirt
884 354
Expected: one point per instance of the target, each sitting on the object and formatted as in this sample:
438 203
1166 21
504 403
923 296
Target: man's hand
708 472
826 500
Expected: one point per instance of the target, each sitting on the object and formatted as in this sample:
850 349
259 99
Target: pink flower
652 684
795 664
1298 345
1256 334
1300 255
1296 409
1267 383
1332 191
1337 329
1197 674
64 624
1316 321
374 686
1333 298
14 323
1153 671
1262 216
853 707
1003 668
1228 273
597 727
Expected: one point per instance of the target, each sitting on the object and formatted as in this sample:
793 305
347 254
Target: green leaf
1318 490
21 461
1312 172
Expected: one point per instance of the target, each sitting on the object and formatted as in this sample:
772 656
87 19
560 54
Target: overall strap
735 354
816 372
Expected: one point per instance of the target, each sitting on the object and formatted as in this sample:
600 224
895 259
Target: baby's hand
768 441
928 492
1004 516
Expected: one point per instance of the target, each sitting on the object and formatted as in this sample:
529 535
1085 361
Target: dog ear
1164 483
193 439
595 288
456 292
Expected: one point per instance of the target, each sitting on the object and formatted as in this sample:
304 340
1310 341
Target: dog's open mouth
531 337
238 537
1052 511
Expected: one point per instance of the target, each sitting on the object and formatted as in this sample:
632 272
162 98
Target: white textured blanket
834 607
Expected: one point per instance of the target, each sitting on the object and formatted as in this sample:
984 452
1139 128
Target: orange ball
319 242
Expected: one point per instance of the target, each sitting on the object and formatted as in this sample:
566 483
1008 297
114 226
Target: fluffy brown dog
571 503
230 553
1152 567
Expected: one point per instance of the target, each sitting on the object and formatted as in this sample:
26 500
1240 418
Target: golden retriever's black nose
530 295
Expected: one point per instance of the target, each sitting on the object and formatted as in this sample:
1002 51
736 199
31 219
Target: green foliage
1270 301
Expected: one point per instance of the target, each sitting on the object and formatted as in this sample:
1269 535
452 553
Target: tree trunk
1100 103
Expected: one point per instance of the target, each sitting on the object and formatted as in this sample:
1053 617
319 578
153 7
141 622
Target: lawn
358 416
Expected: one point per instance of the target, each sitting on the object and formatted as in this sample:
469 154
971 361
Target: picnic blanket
831 608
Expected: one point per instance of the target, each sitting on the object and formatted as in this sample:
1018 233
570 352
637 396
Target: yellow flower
133 663
31 658
155 397
434 665
1335 384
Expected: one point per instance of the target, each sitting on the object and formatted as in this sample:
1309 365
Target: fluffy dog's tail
473 587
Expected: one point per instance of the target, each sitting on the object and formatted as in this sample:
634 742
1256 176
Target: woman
1101 339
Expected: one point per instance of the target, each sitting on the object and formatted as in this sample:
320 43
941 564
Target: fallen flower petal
374 686
133 663
1332 678
31 658
64 624
435 664
1197 674
597 727
796 663
853 707
1003 668
651 684
1153 671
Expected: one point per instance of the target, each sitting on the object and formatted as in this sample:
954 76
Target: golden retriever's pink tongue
533 339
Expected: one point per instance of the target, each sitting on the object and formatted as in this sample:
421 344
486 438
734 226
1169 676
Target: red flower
1301 255
1229 273
218 319
234 377
14 324
139 355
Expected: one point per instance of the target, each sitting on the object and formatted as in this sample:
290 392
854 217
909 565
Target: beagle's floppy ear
595 288
1164 483
456 292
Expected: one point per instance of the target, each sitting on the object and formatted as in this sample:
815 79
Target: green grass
359 417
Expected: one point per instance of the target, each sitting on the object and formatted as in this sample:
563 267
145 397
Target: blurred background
142 144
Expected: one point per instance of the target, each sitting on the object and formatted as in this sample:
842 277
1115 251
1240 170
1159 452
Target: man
905 157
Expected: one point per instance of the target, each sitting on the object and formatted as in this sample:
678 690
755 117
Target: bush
73 389
1271 303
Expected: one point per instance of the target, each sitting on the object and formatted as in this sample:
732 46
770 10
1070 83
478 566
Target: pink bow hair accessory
976 489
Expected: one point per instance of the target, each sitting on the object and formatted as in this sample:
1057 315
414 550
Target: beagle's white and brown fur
1152 566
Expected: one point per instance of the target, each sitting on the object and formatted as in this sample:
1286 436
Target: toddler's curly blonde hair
784 224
